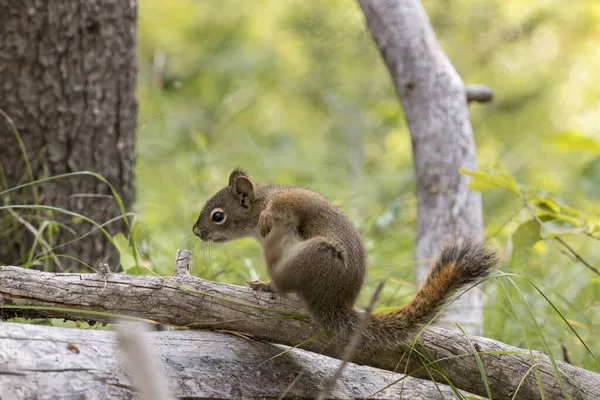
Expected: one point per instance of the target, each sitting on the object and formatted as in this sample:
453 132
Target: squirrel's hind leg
307 267
317 274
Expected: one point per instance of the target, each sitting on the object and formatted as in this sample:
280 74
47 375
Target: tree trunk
67 80
435 103
66 363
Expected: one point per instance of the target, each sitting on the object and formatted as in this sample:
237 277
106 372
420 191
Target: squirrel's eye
217 216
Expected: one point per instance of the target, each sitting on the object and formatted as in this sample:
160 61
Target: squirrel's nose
196 229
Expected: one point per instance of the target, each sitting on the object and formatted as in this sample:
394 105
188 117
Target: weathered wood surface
36 362
434 100
197 303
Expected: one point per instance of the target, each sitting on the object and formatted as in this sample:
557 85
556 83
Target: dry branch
198 303
479 93
196 364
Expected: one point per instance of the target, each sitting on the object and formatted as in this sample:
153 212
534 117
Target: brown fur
311 248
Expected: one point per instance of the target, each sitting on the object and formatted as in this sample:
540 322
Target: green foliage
554 218
545 216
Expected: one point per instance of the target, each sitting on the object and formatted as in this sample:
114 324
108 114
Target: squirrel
313 249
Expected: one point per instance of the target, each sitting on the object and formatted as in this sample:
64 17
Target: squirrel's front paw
261 286
265 222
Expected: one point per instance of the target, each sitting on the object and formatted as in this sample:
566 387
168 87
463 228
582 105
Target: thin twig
182 263
565 352
560 240
577 256
352 344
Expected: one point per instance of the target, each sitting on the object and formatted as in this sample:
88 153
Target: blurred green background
296 92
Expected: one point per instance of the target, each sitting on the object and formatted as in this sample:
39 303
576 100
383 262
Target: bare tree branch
479 93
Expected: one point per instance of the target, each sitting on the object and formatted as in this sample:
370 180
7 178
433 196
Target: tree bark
434 100
67 80
196 303
69 363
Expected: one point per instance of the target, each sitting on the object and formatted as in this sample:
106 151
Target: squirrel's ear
235 173
243 188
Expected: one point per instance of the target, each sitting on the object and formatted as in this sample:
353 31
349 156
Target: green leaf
526 235
550 202
549 207
570 141
126 258
481 181
545 202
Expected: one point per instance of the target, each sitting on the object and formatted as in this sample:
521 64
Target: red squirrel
313 249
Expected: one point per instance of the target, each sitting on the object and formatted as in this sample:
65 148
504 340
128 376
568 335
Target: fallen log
191 302
49 362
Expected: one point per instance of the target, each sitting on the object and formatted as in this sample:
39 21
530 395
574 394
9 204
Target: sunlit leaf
545 202
570 141
482 181
126 258
552 207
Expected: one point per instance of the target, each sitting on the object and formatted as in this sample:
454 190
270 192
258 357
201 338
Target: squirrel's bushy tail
456 267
